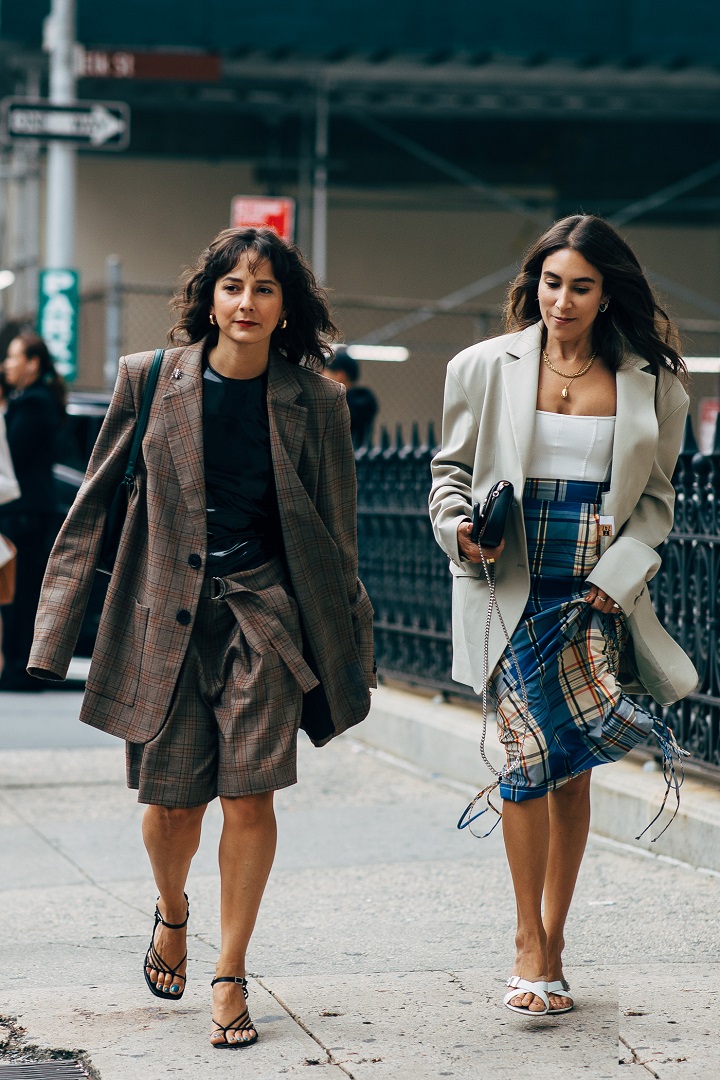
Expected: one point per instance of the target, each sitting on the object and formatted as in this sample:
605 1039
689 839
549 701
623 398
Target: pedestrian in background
361 401
582 407
234 612
9 491
34 417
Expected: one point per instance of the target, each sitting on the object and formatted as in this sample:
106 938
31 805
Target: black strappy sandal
154 960
240 1023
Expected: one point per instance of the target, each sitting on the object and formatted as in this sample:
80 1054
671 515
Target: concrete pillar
113 319
320 176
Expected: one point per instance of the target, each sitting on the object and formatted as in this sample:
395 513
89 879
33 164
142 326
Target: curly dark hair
633 320
309 326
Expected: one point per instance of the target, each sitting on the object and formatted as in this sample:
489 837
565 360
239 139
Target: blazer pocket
470 599
118 654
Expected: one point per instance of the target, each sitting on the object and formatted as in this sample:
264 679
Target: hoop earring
604 307
213 320
283 325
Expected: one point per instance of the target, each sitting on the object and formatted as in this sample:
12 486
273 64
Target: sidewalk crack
301 1024
635 1059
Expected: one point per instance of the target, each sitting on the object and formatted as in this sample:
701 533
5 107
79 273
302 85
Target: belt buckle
222 587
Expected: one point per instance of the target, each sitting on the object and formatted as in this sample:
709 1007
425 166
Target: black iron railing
406 575
686 597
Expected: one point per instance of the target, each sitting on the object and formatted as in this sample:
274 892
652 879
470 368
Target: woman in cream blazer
584 312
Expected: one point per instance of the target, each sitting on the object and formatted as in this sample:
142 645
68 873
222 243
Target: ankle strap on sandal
239 979
170 925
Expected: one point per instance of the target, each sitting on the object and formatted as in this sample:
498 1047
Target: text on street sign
100 125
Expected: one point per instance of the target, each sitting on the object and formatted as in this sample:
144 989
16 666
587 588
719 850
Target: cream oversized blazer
488 419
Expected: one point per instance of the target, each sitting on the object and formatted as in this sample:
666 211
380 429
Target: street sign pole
60 222
320 181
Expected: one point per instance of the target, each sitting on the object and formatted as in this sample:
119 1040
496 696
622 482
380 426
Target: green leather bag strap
142 419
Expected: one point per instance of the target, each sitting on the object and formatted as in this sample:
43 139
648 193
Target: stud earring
604 307
283 325
213 320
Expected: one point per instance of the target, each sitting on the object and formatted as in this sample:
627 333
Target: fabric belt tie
261 627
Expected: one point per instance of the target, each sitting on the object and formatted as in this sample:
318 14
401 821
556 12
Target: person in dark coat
361 401
34 418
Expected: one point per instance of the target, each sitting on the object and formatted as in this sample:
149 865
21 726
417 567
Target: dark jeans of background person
32 535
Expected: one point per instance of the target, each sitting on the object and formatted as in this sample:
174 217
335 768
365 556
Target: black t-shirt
242 517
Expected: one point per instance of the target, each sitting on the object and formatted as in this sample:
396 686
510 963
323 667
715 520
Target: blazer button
195 561
184 617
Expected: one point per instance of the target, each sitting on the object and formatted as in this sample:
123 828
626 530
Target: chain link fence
408 392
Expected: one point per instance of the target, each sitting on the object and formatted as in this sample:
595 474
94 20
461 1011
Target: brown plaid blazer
154 591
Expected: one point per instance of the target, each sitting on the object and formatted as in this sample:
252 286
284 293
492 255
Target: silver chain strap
468 817
493 606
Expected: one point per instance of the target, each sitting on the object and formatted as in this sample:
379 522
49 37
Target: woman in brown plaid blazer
234 614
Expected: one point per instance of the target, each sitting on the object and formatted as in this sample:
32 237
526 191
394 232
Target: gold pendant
564 392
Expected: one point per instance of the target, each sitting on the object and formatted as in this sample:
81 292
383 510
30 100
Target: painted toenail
174 988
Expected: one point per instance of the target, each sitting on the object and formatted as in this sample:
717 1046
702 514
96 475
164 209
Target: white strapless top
571 447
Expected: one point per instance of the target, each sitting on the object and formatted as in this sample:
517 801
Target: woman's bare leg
247 850
526 830
171 838
569 813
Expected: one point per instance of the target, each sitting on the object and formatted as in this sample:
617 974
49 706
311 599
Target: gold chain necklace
565 375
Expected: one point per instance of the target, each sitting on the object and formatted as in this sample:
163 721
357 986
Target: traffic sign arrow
103 125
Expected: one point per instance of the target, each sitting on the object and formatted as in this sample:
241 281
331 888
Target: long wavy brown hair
634 321
309 328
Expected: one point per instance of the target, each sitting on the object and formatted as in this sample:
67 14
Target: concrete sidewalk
382 945
444 739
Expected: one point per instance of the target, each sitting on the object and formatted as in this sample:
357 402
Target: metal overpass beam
485 284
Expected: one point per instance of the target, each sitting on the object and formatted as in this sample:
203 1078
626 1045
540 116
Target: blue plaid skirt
568 653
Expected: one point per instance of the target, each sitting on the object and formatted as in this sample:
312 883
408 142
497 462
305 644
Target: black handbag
489 521
118 508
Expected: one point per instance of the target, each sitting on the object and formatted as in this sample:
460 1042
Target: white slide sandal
539 989
562 989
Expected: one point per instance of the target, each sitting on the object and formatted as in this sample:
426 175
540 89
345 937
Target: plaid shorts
232 725
567 652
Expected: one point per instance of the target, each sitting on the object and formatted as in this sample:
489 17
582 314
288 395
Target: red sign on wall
121 64
276 213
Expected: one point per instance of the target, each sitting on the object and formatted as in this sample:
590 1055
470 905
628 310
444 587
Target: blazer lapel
287 419
182 407
520 380
635 441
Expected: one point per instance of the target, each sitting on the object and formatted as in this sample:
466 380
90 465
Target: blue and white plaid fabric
567 652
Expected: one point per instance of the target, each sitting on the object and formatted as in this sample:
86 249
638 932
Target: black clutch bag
489 520
117 510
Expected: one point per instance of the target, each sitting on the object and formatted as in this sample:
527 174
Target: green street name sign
58 317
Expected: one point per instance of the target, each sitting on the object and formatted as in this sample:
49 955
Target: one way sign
97 125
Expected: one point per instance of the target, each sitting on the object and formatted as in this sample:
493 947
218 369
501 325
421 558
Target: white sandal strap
538 989
561 989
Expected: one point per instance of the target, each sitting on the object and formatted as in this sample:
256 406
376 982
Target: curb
444 739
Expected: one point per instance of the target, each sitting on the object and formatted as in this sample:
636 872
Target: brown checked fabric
233 721
154 592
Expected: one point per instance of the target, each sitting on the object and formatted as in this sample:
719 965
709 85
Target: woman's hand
470 550
601 601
